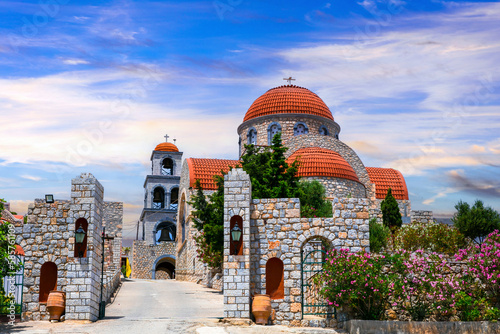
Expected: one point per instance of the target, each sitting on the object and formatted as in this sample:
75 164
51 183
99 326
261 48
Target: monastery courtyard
158 306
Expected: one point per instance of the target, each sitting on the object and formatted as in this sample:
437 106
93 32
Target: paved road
162 306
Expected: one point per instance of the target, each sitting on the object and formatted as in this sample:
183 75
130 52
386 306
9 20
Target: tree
313 202
209 221
475 222
378 236
391 216
270 174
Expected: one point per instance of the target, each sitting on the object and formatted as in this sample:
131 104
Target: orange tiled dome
315 161
166 147
385 178
288 100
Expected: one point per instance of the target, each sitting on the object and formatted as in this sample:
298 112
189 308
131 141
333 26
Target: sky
94 86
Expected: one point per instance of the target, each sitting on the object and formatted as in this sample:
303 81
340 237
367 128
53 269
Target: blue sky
95 85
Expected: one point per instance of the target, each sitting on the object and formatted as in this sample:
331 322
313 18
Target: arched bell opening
165 231
158 198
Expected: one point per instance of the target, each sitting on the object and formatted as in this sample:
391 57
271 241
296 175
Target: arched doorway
164 267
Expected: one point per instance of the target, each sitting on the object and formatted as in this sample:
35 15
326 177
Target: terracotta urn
261 308
56 304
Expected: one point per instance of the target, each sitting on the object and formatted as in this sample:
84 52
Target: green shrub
379 234
432 237
313 202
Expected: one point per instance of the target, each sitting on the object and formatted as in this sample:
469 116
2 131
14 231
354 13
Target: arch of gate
164 263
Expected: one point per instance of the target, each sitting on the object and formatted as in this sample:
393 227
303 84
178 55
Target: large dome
288 99
321 162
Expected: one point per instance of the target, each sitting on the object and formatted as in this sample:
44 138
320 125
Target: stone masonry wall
337 187
277 230
236 268
146 255
113 221
48 235
188 266
422 216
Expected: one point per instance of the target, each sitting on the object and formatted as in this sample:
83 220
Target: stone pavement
161 306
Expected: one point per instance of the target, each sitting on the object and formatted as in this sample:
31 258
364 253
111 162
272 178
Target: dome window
252 136
167 167
158 198
300 129
273 129
323 130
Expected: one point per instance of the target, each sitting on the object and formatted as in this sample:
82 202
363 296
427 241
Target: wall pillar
237 198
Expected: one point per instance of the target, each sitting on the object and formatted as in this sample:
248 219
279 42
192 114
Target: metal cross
289 80
166 138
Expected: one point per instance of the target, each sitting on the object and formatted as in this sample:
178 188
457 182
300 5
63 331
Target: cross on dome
166 138
290 79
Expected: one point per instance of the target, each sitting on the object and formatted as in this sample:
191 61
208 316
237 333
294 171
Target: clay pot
56 304
261 308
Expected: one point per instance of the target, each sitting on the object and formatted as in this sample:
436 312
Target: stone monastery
275 239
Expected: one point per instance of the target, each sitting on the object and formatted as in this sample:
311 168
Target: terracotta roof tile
166 147
315 161
385 178
288 99
205 169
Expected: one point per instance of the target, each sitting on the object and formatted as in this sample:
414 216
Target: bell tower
161 192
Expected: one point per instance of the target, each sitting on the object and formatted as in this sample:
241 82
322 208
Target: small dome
385 178
315 161
166 147
288 99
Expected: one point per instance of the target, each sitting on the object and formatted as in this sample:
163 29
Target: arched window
174 199
80 250
323 130
165 231
336 135
158 198
300 129
252 136
236 246
48 280
273 129
275 283
167 167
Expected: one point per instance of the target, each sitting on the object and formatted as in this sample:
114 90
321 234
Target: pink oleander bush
415 284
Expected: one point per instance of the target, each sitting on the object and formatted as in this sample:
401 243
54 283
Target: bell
157 197
165 235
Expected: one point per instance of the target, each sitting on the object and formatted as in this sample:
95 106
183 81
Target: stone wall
48 236
422 216
188 266
146 256
113 221
273 228
337 187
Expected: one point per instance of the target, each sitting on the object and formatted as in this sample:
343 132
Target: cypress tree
391 215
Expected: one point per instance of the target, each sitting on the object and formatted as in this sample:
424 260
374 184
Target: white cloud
75 61
31 177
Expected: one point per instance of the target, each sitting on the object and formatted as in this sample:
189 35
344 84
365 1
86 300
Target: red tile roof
205 169
288 100
166 147
385 178
315 161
